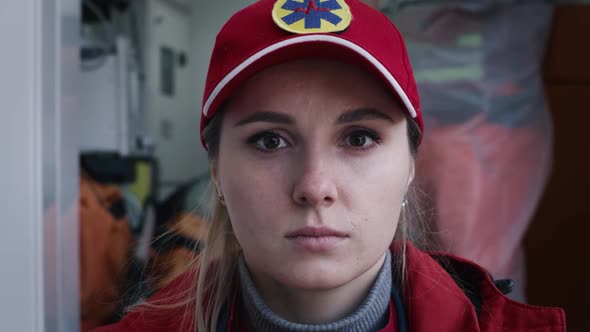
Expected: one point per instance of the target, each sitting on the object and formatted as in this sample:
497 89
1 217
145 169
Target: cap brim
301 47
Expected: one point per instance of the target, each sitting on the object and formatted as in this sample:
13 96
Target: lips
315 232
316 239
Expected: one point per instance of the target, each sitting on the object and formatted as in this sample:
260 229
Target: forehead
312 84
335 74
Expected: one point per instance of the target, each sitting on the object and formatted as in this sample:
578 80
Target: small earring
405 202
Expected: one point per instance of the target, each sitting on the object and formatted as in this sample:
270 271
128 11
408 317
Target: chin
315 275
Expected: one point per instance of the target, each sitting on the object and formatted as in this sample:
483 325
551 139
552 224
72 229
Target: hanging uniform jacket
433 302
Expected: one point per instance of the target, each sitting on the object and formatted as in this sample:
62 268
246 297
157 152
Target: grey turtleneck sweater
371 315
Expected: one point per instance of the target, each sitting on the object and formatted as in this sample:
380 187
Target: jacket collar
435 302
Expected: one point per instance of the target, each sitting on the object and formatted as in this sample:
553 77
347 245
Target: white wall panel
173 122
39 165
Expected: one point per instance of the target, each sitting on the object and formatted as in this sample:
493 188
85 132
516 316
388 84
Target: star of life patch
312 16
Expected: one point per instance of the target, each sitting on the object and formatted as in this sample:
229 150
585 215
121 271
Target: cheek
383 178
381 204
255 196
253 184
378 191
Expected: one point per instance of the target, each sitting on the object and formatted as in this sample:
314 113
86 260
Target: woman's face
313 164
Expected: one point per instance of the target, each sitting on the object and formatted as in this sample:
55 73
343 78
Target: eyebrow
365 113
359 114
267 116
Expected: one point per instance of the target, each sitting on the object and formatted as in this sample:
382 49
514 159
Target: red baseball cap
270 32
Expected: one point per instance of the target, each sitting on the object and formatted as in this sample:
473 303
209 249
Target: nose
315 186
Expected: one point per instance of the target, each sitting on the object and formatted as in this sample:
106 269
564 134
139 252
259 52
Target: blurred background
104 181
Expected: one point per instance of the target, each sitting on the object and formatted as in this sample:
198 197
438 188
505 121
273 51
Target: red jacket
433 303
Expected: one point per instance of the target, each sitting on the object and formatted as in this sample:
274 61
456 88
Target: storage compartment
569 54
557 245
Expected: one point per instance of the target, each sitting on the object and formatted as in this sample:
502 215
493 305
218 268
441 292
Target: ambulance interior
114 197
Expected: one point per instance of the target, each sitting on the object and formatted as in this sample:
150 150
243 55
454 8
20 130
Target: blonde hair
217 270
214 269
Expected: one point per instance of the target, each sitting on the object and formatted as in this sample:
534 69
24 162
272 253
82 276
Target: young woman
312 121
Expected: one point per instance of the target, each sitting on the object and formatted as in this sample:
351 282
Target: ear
215 175
411 173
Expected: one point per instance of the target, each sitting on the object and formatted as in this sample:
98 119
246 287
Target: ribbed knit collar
371 315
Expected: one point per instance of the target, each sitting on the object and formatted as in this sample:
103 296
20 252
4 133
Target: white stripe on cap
305 39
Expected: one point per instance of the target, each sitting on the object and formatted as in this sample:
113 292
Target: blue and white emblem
311 16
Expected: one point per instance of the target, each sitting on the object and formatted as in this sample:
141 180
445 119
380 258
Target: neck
360 305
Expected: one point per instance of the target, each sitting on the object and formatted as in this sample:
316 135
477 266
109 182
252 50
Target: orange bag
105 250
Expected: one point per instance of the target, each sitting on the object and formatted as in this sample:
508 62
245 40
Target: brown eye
357 140
269 141
362 139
